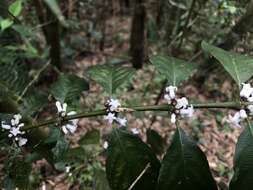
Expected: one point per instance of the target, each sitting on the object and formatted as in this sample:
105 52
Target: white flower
182 103
236 119
246 91
173 118
135 131
74 121
5 126
167 97
69 128
122 121
44 187
243 114
61 108
67 170
14 131
171 90
110 117
250 108
72 125
22 141
187 112
16 119
105 145
114 104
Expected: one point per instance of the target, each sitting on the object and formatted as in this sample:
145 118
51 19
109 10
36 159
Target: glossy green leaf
68 88
175 70
15 8
243 161
185 166
110 77
155 141
91 137
239 67
6 23
127 158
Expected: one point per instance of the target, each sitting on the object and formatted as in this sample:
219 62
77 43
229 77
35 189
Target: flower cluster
14 129
246 94
71 126
112 107
180 106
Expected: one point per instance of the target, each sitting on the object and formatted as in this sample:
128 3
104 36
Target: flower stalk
165 107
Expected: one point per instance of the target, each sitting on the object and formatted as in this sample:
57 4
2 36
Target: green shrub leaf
91 137
243 161
16 8
155 141
185 166
238 66
68 88
6 23
110 77
175 70
127 158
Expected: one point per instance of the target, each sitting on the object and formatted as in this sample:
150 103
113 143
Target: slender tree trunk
137 38
51 30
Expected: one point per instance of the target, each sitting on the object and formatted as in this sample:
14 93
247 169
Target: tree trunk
137 38
51 30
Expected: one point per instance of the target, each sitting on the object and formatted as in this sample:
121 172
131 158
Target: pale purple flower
110 117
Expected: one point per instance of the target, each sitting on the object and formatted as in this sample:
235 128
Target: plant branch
165 107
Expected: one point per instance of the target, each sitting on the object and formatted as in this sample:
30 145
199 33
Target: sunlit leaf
15 8
68 88
110 77
175 70
239 67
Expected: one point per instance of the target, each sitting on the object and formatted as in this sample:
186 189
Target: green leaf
100 181
175 70
6 23
127 158
60 149
55 8
19 172
238 66
110 77
185 166
243 161
68 88
155 141
91 137
16 8
34 102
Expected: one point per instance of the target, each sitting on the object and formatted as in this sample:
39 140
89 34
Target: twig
36 77
138 178
165 107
